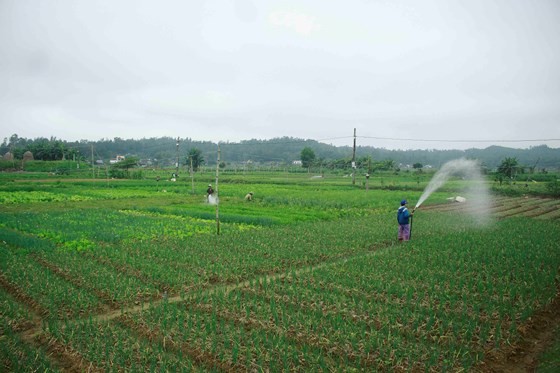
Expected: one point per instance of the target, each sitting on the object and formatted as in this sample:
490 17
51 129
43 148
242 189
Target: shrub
553 187
116 173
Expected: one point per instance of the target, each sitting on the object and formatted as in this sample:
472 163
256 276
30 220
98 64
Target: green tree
120 170
509 167
386 165
195 155
307 157
417 165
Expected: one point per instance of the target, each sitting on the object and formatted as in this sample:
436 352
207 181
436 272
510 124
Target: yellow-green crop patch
38 196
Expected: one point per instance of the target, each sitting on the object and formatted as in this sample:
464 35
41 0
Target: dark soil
536 336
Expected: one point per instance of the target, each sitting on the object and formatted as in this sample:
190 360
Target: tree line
165 151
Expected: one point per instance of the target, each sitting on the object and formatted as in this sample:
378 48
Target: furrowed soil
537 334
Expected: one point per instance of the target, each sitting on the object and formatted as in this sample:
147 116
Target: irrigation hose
411 216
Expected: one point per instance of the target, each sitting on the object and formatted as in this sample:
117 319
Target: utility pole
367 173
177 161
192 175
217 194
92 163
354 160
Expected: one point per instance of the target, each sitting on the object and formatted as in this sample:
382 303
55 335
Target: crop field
139 275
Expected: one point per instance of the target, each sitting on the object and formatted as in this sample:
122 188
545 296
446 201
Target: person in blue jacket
403 218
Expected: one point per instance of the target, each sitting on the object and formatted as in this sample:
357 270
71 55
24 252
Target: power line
447 140
302 141
294 141
263 142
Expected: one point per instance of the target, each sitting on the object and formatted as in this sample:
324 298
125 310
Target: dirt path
227 288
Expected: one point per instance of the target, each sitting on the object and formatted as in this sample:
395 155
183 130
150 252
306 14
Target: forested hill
537 157
165 150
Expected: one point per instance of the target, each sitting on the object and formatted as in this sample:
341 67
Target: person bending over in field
249 196
403 218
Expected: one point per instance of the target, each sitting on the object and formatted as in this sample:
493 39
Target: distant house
118 159
297 163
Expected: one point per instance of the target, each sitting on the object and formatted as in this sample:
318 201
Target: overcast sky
481 70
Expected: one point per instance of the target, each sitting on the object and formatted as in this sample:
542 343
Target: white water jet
212 199
477 193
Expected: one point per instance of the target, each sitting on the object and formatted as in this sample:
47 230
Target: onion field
309 276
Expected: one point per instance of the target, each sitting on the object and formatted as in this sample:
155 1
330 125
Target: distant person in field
209 192
249 196
403 218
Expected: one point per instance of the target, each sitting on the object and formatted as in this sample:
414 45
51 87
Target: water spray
478 191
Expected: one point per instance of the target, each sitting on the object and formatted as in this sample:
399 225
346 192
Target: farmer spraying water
404 218
210 195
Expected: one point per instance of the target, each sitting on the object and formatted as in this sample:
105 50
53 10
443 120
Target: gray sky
229 71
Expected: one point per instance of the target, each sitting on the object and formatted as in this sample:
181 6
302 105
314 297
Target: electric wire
289 140
296 141
456 141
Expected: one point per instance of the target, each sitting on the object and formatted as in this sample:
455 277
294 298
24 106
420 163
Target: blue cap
403 202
